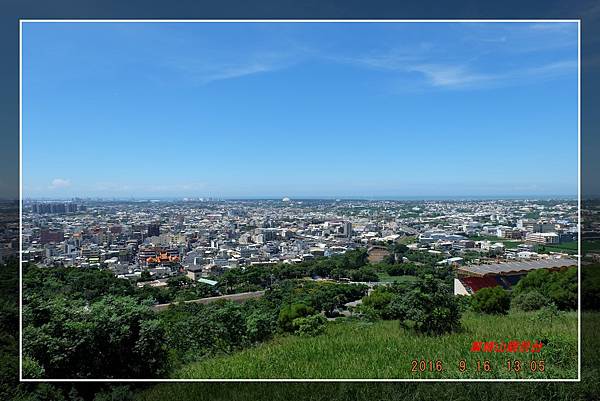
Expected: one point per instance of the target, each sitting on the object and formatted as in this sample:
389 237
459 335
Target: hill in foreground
358 350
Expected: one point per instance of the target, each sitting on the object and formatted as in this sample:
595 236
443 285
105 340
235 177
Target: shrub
395 270
367 313
377 304
560 287
548 313
127 335
529 301
401 269
364 274
309 326
32 369
260 325
464 302
288 313
379 299
427 307
491 300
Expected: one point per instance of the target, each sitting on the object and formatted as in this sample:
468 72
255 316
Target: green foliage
89 284
323 296
529 301
289 313
590 291
402 269
260 325
396 269
428 306
193 290
194 331
145 276
123 337
379 299
257 277
9 330
364 274
491 300
425 258
179 282
31 368
444 273
309 326
115 393
154 295
377 304
358 350
397 251
548 313
558 286
464 302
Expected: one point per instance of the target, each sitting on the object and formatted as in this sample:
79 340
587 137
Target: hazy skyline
299 109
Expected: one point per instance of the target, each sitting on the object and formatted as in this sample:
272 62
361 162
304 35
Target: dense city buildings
204 238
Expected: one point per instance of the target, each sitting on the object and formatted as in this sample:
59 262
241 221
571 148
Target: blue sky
299 109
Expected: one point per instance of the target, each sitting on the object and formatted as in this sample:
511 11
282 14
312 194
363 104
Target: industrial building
471 279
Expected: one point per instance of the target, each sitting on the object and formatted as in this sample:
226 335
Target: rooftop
513 267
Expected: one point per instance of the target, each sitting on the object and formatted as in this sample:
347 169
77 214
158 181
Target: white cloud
449 75
204 70
59 183
552 26
237 71
463 75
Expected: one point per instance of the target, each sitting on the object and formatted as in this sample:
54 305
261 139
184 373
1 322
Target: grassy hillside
353 349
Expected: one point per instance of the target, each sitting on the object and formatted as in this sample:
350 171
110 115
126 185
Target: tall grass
383 350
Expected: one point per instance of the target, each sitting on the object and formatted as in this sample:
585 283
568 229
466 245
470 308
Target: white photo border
24 21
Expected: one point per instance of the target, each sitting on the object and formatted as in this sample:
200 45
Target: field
360 350
508 244
571 247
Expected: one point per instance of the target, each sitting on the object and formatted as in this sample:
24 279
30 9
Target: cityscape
202 239
310 200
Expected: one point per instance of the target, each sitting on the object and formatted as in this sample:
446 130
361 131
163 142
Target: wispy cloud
465 77
239 71
204 70
440 72
59 183
441 65
449 76
552 26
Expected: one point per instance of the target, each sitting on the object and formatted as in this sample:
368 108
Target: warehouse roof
514 267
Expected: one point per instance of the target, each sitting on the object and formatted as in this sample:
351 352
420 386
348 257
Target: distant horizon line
292 198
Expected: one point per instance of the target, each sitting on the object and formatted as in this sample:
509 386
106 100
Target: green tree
260 325
309 326
179 282
364 274
529 301
560 287
491 300
113 337
145 276
397 251
288 313
379 301
428 306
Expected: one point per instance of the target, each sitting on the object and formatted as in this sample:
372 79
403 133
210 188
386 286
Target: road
241 297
